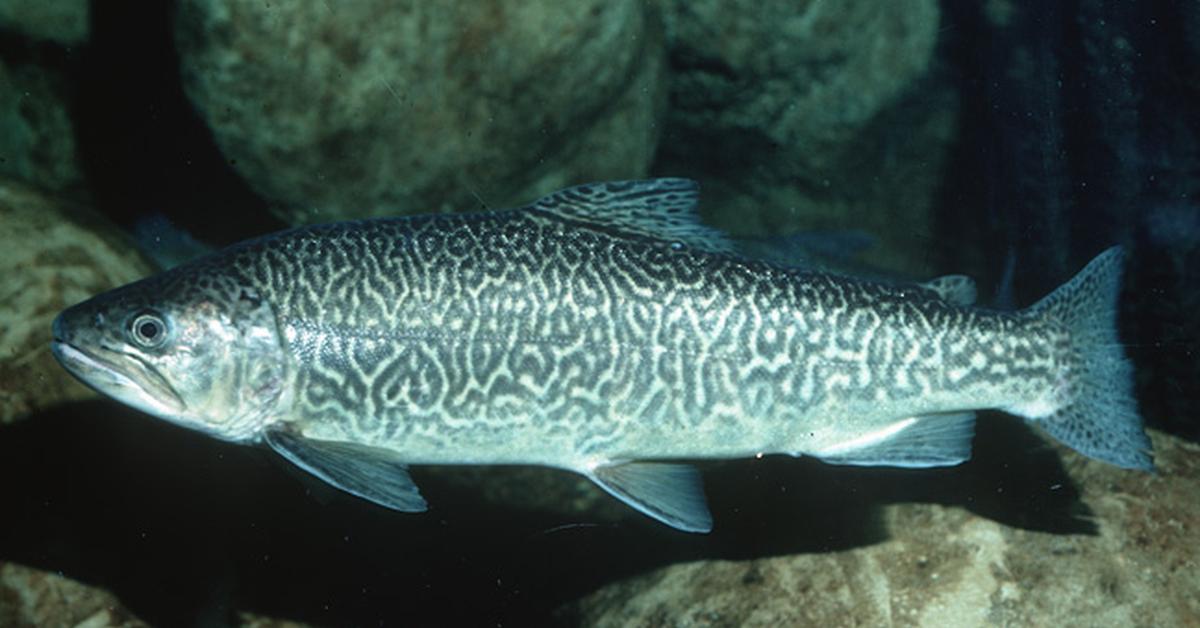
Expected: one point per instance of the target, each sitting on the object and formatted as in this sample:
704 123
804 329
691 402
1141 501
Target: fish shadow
779 505
186 529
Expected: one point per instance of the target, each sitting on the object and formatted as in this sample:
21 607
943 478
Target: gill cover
195 346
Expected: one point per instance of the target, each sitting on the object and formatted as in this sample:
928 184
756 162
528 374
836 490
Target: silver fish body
600 329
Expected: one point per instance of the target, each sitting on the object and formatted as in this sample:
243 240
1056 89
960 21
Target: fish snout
58 329
65 325
62 334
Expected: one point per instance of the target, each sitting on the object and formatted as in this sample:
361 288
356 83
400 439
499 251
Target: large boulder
343 110
37 133
31 597
802 115
63 21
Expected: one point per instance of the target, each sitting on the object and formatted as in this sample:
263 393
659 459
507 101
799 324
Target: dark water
1078 127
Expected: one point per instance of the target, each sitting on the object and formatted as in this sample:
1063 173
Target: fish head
195 346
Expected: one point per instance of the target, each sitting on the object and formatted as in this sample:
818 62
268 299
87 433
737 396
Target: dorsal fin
956 289
662 209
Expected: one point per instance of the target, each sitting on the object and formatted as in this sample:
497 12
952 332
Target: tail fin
1101 419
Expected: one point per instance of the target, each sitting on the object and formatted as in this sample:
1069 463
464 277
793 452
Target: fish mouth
129 380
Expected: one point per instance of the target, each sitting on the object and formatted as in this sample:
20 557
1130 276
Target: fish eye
148 329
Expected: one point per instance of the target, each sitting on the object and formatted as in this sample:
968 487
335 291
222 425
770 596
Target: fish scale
602 329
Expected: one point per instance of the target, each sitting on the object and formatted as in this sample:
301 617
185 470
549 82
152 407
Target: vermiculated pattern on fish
595 330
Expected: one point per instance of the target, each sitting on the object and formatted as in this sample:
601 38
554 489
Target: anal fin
372 473
935 440
671 493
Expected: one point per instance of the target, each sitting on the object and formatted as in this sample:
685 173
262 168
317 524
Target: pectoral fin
671 493
372 473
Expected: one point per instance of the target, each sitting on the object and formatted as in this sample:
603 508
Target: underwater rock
52 254
65 22
37 135
945 566
823 115
29 597
335 110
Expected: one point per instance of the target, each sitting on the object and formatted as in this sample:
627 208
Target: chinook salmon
601 329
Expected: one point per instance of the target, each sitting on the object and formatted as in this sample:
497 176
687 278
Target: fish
602 329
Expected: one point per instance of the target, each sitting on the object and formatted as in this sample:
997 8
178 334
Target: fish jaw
143 389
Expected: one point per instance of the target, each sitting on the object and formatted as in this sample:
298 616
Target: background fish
600 329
